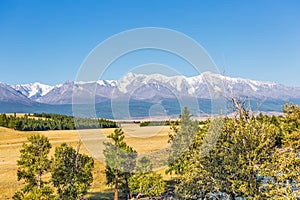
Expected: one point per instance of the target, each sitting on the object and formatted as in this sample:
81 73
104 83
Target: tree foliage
71 172
120 162
180 139
32 165
145 181
283 171
253 158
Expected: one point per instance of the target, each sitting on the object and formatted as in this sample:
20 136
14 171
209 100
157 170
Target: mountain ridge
153 87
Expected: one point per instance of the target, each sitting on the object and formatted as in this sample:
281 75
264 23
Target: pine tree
120 162
71 172
180 139
32 165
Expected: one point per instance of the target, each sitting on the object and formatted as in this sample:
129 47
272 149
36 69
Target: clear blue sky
47 40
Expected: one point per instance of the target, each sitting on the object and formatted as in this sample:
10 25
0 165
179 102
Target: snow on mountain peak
109 83
31 90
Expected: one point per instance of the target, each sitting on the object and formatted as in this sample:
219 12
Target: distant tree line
165 123
154 123
44 122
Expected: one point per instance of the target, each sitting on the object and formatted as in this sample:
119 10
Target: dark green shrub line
165 123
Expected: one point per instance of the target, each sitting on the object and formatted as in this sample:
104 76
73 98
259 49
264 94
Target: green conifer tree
32 165
120 162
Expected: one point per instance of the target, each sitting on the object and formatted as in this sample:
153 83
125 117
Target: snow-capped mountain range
154 87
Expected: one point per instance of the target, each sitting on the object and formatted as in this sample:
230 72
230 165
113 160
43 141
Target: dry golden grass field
142 139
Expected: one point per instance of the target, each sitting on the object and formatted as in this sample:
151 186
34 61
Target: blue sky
46 41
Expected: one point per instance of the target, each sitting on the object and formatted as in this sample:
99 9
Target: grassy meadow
142 139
